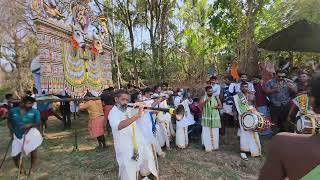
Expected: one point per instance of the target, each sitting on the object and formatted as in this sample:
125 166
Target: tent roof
302 36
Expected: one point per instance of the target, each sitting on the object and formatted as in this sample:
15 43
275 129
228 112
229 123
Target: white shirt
145 124
177 101
216 88
148 102
188 118
232 87
162 116
123 142
73 107
250 87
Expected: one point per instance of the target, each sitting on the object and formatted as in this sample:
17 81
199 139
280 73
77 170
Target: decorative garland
81 73
74 75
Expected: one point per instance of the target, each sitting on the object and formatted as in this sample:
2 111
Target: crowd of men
140 135
222 105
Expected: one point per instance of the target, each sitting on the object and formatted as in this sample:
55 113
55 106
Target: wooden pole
62 100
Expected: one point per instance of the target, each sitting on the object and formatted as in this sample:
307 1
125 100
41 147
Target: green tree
157 16
127 12
196 42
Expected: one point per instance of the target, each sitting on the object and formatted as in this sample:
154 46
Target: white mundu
149 156
32 140
124 141
165 131
210 138
249 140
182 126
149 133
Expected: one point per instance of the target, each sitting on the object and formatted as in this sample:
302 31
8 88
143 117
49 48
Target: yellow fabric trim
211 137
313 121
171 111
145 174
134 138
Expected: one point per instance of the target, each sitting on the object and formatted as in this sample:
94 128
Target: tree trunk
115 55
247 47
152 7
135 66
162 36
154 51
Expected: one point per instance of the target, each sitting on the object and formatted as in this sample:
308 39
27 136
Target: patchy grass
57 160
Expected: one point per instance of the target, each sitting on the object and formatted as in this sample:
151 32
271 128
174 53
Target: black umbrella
302 36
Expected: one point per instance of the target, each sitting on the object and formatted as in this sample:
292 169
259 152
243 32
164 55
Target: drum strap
313 121
243 107
303 102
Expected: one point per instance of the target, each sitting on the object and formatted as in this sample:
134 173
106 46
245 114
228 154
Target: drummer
21 120
300 104
249 140
295 156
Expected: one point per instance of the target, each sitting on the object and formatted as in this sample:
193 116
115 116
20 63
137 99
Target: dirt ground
57 160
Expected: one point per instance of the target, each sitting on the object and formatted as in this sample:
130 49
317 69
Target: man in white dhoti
23 122
249 140
182 139
129 143
210 120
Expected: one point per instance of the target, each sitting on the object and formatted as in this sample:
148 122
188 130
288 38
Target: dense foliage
176 41
202 34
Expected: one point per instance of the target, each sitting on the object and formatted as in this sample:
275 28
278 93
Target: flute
169 110
179 112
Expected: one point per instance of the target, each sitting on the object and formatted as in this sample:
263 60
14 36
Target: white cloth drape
33 140
210 138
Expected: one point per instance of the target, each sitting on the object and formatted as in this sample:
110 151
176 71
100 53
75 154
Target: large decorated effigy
73 53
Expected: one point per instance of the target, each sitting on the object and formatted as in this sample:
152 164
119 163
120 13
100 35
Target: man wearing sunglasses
295 156
279 89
